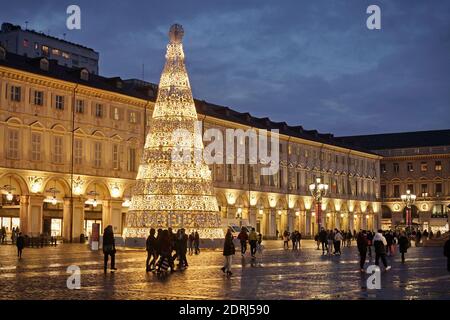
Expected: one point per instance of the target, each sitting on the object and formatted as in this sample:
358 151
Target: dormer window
2 53
84 75
43 64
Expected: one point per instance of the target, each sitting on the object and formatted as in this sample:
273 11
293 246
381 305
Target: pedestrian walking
228 252
182 248
323 240
165 253
191 243
317 240
447 253
337 242
403 244
196 243
379 243
349 238
330 237
20 243
362 244
253 240
286 239
299 239
109 248
150 246
243 237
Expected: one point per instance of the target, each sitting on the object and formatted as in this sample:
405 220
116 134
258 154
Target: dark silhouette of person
109 248
20 243
150 246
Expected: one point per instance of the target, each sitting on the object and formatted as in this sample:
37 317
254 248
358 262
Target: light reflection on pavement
277 274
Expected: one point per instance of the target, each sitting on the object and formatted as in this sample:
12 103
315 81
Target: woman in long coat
228 252
403 244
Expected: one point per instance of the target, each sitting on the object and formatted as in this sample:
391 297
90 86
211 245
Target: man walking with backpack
380 243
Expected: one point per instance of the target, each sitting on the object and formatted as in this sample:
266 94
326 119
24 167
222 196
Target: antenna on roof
64 36
26 25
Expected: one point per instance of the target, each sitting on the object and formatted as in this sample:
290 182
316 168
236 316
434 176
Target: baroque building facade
415 161
72 141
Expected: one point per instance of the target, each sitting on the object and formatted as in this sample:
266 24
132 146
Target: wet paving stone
276 274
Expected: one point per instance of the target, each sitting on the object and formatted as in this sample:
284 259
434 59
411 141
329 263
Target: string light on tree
168 193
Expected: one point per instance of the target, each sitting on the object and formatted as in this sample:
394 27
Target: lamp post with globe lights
318 191
408 199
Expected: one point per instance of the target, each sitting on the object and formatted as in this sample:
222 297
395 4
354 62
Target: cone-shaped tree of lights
168 193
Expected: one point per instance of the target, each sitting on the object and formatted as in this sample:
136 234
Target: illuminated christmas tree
168 192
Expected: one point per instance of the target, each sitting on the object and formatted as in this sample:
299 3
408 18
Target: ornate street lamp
318 191
408 199
8 188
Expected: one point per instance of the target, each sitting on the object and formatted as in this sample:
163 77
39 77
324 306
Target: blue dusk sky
312 63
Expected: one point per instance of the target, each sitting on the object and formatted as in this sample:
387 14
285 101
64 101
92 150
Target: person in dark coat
228 252
447 253
109 248
243 238
182 248
362 244
323 237
379 243
403 243
196 243
20 243
369 243
150 246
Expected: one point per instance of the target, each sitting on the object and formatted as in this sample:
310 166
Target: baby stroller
163 266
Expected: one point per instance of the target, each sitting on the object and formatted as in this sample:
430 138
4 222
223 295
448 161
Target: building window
99 110
59 102
45 51
132 159
78 151
423 166
13 144
437 166
15 93
97 154
56 52
383 191
410 187
116 114
36 46
115 157
424 190
65 55
383 168
396 168
38 98
26 43
438 189
396 191
36 146
57 149
306 153
132 117
79 106
410 167
229 173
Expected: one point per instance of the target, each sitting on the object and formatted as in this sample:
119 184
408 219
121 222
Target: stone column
351 220
308 223
272 223
292 225
35 215
73 223
252 216
67 219
23 214
112 214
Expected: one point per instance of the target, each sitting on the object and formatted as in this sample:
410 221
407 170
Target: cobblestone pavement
277 274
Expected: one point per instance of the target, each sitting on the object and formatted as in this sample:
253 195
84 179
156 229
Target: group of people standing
165 247
244 237
295 237
14 234
333 240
